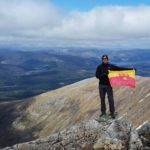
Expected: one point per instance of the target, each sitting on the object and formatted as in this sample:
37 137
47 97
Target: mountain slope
53 111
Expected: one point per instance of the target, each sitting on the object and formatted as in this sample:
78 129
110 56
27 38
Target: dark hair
105 56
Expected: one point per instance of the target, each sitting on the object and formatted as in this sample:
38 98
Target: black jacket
102 72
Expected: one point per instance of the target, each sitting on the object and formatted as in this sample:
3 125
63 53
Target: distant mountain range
53 111
27 73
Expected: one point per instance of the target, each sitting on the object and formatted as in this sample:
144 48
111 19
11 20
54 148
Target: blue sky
85 5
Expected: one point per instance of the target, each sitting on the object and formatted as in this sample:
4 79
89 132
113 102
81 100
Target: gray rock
144 134
135 141
88 135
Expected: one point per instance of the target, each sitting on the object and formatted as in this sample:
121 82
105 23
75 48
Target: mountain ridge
53 111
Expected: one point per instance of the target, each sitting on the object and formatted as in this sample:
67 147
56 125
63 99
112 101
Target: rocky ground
91 134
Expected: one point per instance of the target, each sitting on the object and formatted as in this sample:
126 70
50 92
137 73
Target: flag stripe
119 81
130 73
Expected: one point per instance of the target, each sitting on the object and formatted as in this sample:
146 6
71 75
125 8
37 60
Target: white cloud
41 23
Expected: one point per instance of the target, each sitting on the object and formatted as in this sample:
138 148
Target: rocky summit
93 135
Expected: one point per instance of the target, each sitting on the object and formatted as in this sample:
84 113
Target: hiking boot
102 114
112 115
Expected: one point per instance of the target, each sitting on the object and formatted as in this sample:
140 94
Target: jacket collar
104 64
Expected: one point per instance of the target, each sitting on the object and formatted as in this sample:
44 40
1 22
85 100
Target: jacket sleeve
117 68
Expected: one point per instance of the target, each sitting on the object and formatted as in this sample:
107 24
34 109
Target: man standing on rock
104 84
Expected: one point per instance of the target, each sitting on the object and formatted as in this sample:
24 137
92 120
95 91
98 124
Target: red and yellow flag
122 78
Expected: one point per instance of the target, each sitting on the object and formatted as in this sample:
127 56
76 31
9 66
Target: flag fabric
122 78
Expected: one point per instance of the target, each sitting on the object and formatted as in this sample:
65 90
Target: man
104 84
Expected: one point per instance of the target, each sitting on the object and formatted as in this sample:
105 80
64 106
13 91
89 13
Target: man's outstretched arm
117 68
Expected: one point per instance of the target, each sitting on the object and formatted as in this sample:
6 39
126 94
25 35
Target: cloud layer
37 23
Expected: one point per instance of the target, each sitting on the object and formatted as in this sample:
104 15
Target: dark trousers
103 89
